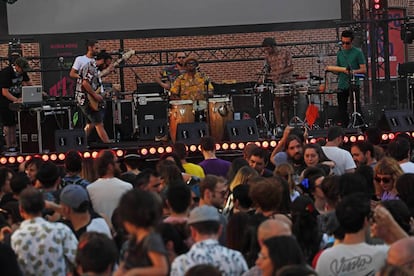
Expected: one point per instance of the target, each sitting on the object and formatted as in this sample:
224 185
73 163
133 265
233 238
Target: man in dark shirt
11 80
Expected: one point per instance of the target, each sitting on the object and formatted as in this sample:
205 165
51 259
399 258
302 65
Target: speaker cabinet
242 130
190 133
38 125
148 129
70 139
396 120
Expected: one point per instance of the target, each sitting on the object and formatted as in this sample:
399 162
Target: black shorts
92 116
7 116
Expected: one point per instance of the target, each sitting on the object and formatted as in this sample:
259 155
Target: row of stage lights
149 151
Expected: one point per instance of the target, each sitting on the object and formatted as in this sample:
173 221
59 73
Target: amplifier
38 125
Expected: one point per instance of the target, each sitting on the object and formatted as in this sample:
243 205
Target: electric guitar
94 104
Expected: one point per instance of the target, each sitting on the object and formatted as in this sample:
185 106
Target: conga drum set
216 112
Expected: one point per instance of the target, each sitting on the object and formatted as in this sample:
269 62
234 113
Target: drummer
192 85
279 66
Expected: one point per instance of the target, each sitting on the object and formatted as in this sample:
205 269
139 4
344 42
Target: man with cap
11 80
205 229
278 64
75 207
192 85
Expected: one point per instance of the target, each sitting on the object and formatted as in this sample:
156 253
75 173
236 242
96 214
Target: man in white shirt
400 150
107 190
342 158
353 256
92 49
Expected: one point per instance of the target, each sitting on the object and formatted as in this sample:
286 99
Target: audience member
401 253
75 207
190 168
132 164
271 258
203 270
386 173
258 160
405 189
96 255
42 247
236 165
32 166
18 183
400 150
286 172
363 154
205 228
73 167
6 195
211 164
144 253
342 158
353 214
106 191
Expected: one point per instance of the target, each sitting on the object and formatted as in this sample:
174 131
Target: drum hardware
263 124
296 121
357 121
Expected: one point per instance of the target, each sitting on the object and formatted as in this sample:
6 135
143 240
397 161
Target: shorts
7 116
92 116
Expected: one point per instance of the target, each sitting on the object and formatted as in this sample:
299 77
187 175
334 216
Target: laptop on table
32 95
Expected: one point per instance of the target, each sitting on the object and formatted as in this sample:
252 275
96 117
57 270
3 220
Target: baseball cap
190 59
73 195
23 63
203 213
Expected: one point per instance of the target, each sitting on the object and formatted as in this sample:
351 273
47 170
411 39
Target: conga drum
220 112
181 111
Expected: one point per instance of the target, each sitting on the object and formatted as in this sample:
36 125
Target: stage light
233 146
217 146
265 144
152 150
361 138
258 143
160 150
346 139
3 160
86 154
225 146
12 160
45 157
169 149
391 136
28 157
241 146
379 5
193 148
62 156
312 141
53 157
95 154
353 139
273 143
119 153
384 137
20 159
144 151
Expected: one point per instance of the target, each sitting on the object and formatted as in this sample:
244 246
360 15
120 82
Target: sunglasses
180 57
192 63
385 180
346 42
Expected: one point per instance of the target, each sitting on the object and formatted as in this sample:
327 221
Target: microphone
61 59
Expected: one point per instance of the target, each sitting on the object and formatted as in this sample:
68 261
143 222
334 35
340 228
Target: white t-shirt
105 194
352 260
80 61
407 167
342 158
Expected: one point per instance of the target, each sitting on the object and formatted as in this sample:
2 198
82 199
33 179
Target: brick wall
238 71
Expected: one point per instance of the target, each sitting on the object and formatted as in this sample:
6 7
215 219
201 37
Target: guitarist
89 85
349 61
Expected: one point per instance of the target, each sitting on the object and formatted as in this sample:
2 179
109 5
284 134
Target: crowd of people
314 209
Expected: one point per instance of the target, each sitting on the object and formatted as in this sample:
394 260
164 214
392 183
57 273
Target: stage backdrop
74 16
